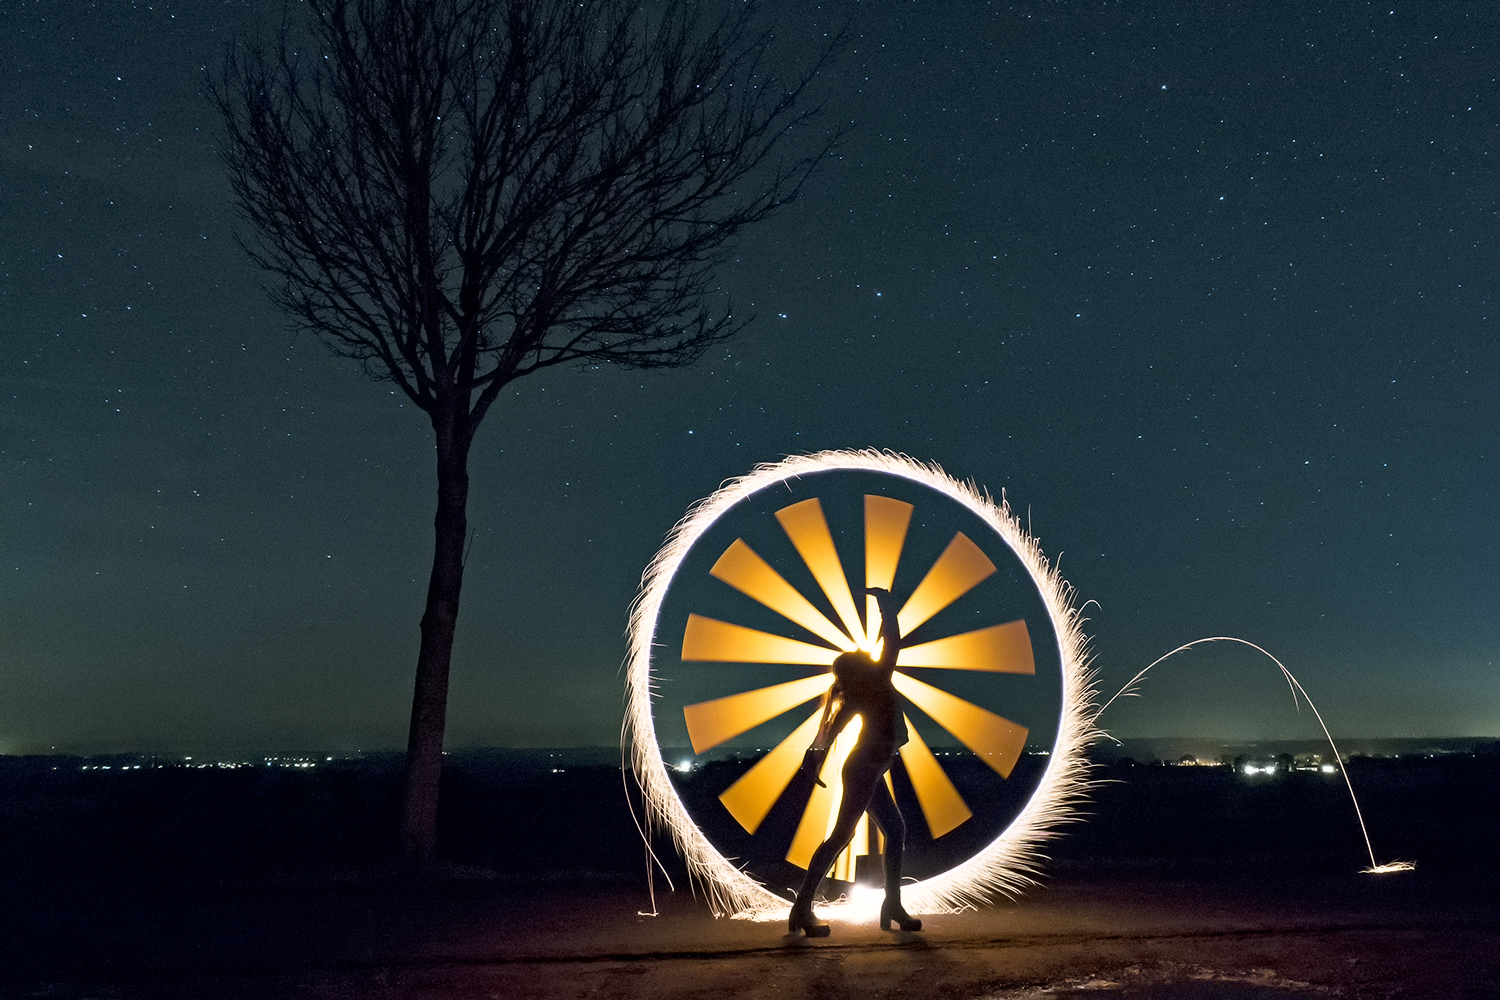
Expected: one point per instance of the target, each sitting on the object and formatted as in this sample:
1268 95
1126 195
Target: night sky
1209 290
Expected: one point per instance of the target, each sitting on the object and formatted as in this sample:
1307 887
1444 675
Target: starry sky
1208 290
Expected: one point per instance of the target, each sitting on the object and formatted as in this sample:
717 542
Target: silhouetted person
862 687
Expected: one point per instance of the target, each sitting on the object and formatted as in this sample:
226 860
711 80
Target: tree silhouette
458 193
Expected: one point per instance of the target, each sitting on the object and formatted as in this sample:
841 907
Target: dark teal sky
1208 290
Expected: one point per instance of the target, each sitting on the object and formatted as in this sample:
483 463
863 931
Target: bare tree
458 193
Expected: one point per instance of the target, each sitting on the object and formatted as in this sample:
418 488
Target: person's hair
846 661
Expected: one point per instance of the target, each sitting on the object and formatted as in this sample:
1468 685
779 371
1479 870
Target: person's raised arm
890 629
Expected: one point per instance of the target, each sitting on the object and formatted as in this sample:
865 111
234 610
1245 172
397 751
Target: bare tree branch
458 193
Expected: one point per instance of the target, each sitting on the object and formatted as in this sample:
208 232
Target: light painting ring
1010 863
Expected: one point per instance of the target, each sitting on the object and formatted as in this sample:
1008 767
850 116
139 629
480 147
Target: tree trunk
429 704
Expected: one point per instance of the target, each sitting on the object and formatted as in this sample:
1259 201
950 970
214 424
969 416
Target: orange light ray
744 570
994 739
712 640
845 865
751 797
710 723
822 806
806 526
961 566
886 521
1001 649
942 806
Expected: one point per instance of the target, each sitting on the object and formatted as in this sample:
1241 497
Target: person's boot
802 918
892 910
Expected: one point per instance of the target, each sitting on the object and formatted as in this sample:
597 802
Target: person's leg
861 776
888 817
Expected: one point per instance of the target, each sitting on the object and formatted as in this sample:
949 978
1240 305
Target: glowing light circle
1009 864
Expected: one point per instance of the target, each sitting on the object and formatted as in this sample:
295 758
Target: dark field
270 880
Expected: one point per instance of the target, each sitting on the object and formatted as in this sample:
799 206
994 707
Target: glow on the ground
860 905
1010 862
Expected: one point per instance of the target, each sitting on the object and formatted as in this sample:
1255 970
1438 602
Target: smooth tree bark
459 193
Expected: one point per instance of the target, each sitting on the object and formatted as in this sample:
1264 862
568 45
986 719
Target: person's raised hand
883 599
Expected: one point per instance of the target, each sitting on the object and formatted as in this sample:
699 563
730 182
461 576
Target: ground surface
1226 936
1119 915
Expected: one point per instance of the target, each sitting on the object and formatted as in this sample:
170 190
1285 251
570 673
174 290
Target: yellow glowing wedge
1001 649
751 797
994 739
886 521
747 572
805 525
957 571
822 806
845 865
942 806
711 639
710 723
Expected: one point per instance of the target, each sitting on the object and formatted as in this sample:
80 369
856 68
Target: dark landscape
131 877
317 314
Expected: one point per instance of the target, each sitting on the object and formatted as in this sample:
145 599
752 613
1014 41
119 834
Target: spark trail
1375 868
